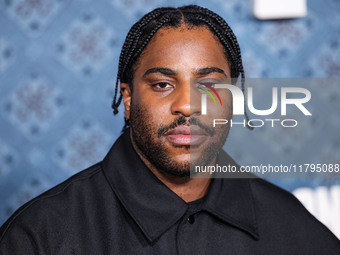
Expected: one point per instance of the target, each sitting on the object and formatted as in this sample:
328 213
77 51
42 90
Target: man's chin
188 171
175 167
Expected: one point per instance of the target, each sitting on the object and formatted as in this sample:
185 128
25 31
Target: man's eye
206 84
161 85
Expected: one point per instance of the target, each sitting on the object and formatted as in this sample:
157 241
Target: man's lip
192 130
186 135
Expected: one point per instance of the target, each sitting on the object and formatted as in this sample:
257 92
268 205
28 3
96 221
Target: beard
147 133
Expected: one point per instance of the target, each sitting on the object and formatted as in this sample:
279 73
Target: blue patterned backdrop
58 62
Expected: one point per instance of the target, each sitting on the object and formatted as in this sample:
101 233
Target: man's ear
126 92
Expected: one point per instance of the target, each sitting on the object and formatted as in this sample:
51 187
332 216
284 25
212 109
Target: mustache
187 122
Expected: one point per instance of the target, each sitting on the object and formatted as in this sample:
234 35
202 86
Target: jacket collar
155 208
231 199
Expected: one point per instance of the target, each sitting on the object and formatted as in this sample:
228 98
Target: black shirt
119 207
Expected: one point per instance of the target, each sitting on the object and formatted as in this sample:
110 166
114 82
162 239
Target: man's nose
186 102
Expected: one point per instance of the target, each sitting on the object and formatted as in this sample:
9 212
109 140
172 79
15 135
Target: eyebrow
162 70
200 71
208 70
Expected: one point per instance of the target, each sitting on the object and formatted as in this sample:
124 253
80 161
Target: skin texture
164 100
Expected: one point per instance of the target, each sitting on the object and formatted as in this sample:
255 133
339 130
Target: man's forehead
184 29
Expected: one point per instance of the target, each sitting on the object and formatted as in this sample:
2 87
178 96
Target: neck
189 189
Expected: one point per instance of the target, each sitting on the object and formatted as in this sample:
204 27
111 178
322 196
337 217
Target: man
140 199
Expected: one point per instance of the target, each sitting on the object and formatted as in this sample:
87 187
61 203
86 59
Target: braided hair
142 32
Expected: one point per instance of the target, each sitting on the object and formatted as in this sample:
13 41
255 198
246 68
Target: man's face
165 107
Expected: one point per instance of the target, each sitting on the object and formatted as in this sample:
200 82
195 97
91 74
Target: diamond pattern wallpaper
58 65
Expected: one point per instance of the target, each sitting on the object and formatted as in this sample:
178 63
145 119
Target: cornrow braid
143 31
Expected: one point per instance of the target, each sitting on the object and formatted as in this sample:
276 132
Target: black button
191 219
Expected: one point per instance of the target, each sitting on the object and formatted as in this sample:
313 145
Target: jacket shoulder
279 211
31 212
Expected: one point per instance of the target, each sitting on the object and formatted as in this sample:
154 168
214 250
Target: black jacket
119 207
